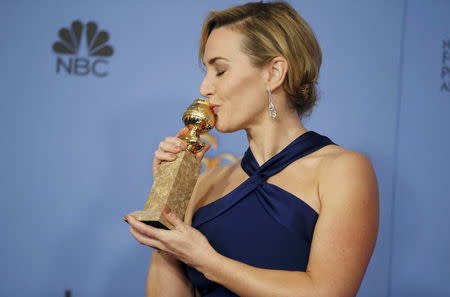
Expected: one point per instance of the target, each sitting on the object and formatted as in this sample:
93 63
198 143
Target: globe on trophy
175 181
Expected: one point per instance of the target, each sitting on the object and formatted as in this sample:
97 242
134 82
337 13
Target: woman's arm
166 277
343 241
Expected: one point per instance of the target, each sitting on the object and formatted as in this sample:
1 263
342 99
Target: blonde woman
298 214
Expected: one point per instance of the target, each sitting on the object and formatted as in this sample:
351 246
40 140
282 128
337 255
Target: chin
227 128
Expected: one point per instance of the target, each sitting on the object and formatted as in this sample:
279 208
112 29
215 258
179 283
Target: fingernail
167 209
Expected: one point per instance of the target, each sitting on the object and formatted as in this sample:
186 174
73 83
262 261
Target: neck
271 136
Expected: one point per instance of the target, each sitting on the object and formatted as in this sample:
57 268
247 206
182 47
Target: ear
276 72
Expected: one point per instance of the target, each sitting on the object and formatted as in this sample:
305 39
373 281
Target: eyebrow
213 60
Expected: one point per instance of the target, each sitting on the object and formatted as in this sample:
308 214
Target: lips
214 108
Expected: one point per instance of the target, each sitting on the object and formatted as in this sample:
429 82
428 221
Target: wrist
210 263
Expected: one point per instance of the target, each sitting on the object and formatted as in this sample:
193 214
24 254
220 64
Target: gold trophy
174 182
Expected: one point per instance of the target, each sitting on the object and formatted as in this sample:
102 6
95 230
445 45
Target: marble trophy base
173 186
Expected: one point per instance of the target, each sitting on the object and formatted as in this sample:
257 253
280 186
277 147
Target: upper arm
346 230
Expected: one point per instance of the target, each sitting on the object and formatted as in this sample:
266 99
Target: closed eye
220 73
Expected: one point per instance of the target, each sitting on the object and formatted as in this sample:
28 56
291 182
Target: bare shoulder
345 170
339 156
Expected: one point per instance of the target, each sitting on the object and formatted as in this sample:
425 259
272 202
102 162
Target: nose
206 88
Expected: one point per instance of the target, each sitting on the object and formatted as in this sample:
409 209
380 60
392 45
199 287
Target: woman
298 215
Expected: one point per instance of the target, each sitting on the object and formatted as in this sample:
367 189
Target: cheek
242 101
243 91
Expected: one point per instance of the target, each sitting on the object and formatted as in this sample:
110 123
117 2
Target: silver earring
272 110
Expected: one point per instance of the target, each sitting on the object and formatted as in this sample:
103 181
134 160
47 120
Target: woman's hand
184 242
168 149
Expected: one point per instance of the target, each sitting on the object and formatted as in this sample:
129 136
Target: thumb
183 131
201 153
172 217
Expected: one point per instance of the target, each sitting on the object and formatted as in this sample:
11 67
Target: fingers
183 131
171 146
160 156
167 150
148 235
163 156
201 153
172 142
146 230
146 240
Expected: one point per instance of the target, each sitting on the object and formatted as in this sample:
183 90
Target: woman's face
232 83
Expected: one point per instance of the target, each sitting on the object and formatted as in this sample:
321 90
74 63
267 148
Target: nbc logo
76 43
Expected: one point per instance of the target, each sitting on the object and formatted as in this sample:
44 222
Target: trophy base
152 218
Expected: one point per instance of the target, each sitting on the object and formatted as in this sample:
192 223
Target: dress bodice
259 223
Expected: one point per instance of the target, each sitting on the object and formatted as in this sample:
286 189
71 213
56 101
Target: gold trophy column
175 181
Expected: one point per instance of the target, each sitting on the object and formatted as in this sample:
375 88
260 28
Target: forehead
223 42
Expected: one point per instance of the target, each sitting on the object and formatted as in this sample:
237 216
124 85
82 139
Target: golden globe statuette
174 182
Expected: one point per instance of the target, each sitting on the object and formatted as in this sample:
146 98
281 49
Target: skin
338 183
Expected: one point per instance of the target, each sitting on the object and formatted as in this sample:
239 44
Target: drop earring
272 110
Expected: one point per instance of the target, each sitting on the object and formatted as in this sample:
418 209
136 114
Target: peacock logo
79 41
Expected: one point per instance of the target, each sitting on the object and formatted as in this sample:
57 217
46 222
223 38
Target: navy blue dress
259 223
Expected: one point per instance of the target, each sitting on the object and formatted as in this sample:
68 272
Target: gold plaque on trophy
174 182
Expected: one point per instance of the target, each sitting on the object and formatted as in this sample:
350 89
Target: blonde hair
274 29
